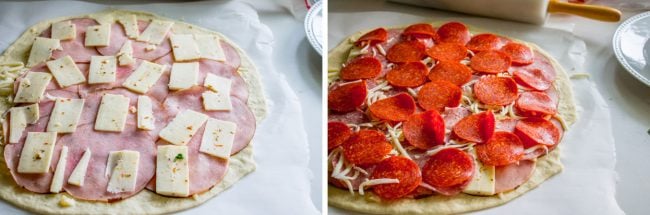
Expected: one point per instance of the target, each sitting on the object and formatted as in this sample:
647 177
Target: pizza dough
145 201
546 166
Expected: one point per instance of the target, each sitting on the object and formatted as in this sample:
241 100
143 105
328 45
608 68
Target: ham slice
511 176
118 37
76 48
453 115
354 117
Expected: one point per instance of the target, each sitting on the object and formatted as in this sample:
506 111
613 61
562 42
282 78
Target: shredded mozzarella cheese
393 137
374 182
580 75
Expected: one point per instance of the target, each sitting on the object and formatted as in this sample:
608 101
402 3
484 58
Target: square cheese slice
172 172
37 152
65 115
64 30
218 138
484 180
32 87
103 69
42 49
124 171
156 31
217 98
184 47
19 117
66 72
130 25
98 35
112 113
183 127
125 55
79 172
57 180
144 77
184 75
210 47
145 113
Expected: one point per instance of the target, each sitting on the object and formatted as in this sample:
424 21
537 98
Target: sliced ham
453 115
354 117
511 176
238 88
507 124
118 37
232 56
140 48
76 48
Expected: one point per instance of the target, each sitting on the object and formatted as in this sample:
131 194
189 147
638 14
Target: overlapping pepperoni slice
406 51
361 68
425 130
337 134
502 149
491 62
366 147
447 168
420 30
533 78
453 32
447 52
520 54
347 97
437 95
535 104
395 108
411 74
476 128
484 42
536 130
454 72
378 35
400 168
493 90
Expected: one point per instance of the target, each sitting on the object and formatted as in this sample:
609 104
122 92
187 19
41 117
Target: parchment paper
587 184
280 184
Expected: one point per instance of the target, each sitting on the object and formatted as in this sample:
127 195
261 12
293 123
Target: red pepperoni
406 51
425 130
361 68
476 128
420 30
396 108
400 168
378 35
502 149
337 133
447 52
493 90
519 53
535 104
453 32
411 74
539 75
484 42
487 125
366 147
490 62
537 130
454 72
447 168
437 95
347 97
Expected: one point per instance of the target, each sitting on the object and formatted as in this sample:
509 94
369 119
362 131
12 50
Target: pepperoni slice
487 125
397 108
519 53
437 95
403 169
484 42
449 167
476 128
490 62
425 130
361 68
406 51
447 52
453 32
420 30
347 97
537 130
454 72
502 149
493 90
337 133
535 104
411 74
378 35
366 147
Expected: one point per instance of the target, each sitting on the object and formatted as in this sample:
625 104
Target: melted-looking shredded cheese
580 75
393 137
378 181
562 122
449 144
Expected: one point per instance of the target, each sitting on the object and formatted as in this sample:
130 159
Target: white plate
632 46
313 26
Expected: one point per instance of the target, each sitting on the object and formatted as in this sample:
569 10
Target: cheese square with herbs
125 55
112 113
32 87
184 75
210 47
64 30
65 115
19 118
218 138
156 31
66 72
124 172
103 69
146 118
78 175
184 47
36 155
217 97
144 77
98 35
42 50
172 171
183 127
130 25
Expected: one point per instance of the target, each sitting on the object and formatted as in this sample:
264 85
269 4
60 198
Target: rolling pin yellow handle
596 12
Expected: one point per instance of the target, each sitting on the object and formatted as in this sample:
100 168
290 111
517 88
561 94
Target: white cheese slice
79 172
172 172
183 127
218 96
102 69
37 152
183 75
32 87
145 113
124 173
184 47
112 113
42 50
57 179
210 47
65 115
484 180
98 35
218 138
66 72
144 77
130 24
19 118
125 55
64 30
155 32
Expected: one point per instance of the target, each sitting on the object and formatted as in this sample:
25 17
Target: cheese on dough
65 115
66 72
37 152
102 69
125 55
184 47
145 113
98 35
124 172
19 118
484 180
210 47
42 50
57 179
144 77
155 32
181 129
79 172
218 138
184 75
130 24
32 87
218 96
112 113
172 172
64 30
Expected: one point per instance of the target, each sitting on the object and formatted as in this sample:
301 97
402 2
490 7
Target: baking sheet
280 184
587 184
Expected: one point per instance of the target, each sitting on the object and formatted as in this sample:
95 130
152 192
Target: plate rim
308 27
616 40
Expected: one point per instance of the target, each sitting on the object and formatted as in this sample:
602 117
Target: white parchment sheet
587 184
280 184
